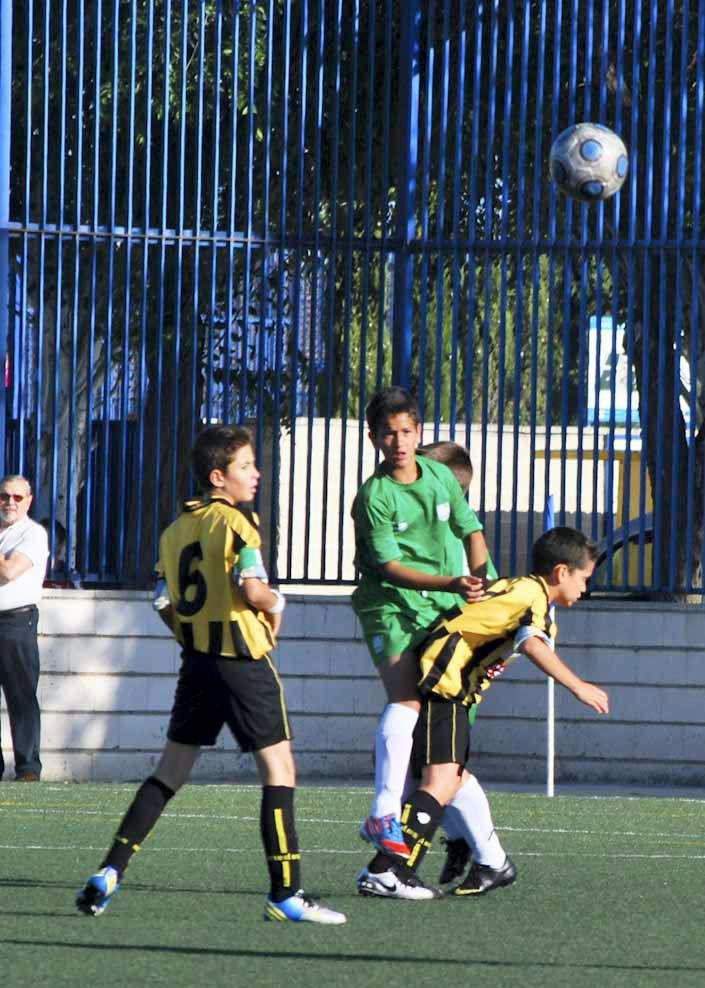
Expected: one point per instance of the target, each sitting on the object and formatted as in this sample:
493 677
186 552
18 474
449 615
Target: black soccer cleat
457 857
482 878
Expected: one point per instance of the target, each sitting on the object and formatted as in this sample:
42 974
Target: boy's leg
386 875
491 866
470 817
147 806
440 747
277 773
393 742
458 850
286 900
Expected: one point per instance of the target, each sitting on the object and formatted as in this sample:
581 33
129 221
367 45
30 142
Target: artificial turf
609 893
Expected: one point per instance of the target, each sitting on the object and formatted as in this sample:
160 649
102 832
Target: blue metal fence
264 211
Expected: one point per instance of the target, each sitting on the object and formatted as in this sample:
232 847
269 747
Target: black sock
420 816
281 844
145 809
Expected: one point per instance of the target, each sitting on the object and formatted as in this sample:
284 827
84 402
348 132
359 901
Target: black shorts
246 694
441 735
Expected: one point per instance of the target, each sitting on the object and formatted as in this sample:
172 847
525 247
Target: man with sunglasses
23 559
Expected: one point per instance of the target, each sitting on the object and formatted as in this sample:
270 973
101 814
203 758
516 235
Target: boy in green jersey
467 819
459 659
402 514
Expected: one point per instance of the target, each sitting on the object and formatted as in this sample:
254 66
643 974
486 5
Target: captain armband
251 566
280 604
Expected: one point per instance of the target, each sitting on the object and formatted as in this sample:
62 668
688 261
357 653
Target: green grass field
610 892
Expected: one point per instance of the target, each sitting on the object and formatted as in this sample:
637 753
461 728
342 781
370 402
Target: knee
277 766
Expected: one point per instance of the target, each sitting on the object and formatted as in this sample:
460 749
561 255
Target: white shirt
29 538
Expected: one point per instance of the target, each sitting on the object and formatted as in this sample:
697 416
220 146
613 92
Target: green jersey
411 523
457 561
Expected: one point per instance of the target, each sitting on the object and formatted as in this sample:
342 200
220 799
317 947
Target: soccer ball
588 162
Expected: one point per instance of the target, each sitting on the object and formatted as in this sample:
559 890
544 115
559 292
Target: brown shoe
29 777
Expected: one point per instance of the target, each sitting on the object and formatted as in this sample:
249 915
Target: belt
11 612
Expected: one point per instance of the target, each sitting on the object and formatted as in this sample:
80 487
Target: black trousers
19 677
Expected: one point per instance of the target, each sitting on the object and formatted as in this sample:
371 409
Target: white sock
393 740
470 817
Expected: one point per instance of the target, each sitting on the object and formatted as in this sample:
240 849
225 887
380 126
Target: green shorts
389 632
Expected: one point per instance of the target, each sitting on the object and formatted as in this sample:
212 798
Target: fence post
5 122
548 523
409 83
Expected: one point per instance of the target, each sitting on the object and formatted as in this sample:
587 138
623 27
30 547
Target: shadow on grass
366 958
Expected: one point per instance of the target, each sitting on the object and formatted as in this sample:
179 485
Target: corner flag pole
548 523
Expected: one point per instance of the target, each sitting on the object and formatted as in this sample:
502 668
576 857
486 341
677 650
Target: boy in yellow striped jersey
214 596
462 654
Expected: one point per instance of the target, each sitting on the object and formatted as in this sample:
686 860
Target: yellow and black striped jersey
471 645
200 554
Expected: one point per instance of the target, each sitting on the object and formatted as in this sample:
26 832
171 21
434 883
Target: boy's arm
261 596
470 588
476 552
161 602
545 659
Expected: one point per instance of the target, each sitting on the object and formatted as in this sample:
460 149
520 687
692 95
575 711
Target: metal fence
264 211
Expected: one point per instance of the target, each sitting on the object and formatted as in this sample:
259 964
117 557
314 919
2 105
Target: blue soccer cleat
95 895
386 834
300 908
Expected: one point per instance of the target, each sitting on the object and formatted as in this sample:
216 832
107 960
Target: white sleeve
527 631
34 543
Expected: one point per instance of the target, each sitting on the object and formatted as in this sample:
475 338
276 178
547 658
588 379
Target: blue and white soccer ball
588 162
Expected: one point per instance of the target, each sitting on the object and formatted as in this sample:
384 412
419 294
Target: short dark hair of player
562 545
214 449
388 402
454 456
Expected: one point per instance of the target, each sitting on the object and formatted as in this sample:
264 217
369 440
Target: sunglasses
17 498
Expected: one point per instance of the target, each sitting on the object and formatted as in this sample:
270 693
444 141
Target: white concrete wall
109 669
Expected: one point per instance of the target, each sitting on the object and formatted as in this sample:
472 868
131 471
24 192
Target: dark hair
562 545
214 449
454 456
390 401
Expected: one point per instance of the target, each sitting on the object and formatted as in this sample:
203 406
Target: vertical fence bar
143 382
350 249
425 204
74 457
521 238
367 238
473 223
280 329
298 260
456 204
402 320
503 290
125 373
441 216
21 379
488 255
5 126
536 278
315 322
331 293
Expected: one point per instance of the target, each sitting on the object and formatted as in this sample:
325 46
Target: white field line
217 817
325 850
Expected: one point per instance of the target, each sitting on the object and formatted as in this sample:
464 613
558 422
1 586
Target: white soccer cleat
388 885
300 908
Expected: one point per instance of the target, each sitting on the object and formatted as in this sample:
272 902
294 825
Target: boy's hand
274 621
470 588
592 696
